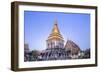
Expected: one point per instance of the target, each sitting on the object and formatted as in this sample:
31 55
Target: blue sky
73 26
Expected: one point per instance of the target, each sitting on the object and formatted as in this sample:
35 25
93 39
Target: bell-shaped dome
55 39
55 34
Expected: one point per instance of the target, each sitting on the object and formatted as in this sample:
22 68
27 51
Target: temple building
55 39
55 49
26 48
26 52
72 47
55 46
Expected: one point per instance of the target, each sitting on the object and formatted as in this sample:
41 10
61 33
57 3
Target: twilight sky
73 26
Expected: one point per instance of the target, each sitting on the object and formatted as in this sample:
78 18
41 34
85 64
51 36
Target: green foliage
35 54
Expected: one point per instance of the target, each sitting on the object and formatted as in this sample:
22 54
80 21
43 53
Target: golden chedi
55 39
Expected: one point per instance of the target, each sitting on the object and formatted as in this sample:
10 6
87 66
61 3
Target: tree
87 53
35 54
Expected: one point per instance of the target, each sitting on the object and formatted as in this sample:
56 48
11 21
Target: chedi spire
55 39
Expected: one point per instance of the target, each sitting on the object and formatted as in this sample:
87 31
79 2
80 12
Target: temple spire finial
55 21
55 28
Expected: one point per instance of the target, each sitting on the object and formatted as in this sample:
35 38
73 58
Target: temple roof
70 45
55 34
